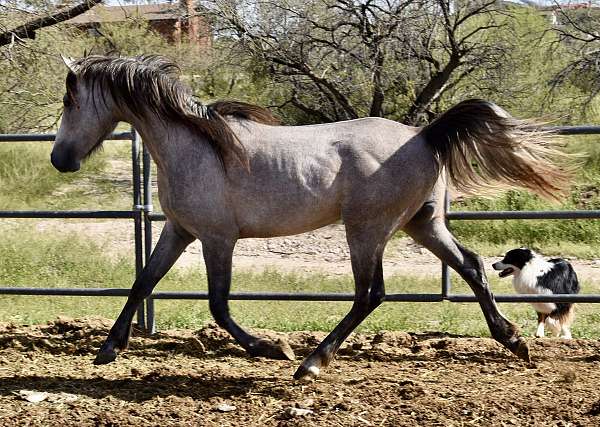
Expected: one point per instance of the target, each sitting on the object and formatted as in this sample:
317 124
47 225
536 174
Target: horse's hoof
522 350
279 349
306 375
105 356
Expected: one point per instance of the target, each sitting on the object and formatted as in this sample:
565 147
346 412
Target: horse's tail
481 146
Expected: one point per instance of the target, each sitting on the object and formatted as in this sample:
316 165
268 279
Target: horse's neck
167 141
155 138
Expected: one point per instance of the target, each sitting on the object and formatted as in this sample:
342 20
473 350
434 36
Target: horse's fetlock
505 332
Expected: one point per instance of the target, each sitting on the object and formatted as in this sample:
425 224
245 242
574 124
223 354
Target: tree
578 33
32 80
342 59
522 81
28 29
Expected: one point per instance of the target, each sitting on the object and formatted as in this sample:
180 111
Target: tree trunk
430 91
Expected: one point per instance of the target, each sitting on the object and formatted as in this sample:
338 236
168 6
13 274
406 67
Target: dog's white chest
525 281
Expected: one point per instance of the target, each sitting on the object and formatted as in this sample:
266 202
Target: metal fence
143 217
136 214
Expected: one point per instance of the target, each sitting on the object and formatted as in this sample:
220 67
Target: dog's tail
482 146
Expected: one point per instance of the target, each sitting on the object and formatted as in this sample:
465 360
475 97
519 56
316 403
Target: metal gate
143 216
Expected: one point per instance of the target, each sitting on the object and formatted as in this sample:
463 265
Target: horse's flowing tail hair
481 146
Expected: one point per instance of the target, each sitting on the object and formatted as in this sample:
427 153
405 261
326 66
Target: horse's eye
67 101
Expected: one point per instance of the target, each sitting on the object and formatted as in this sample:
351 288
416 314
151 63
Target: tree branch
27 30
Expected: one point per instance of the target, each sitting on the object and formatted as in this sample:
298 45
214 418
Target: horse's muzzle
64 162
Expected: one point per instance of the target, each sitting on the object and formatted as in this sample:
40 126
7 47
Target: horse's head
88 118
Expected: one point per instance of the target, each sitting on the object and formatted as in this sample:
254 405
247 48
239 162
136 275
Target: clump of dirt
186 377
61 336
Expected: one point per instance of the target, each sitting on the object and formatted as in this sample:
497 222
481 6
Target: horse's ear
69 62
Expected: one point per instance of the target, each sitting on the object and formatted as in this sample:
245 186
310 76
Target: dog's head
513 261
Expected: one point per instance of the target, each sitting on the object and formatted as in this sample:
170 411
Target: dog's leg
540 333
554 325
565 332
566 322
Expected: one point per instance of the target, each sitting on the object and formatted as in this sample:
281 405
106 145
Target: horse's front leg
218 258
170 245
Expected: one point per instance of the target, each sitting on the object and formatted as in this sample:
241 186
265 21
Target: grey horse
228 171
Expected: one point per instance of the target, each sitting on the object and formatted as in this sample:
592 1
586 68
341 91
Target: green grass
537 234
29 181
70 261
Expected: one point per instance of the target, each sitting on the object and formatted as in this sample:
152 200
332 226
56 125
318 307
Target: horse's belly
281 220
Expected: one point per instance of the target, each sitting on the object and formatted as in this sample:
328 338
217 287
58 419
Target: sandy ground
200 377
323 251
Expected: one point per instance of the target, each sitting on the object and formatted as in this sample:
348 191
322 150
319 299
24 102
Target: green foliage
529 57
213 76
32 81
578 237
526 52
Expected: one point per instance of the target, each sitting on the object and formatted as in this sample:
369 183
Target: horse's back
303 177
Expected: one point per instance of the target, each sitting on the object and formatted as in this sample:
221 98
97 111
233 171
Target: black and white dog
532 274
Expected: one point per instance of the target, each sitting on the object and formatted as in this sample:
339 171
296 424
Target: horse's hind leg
366 252
218 256
170 245
434 235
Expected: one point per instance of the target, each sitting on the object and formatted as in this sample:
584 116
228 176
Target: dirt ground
200 377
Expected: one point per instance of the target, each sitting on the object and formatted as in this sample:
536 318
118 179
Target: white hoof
307 375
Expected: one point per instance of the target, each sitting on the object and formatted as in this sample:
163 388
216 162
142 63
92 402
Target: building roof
150 12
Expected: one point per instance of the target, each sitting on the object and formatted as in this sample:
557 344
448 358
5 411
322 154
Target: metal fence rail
135 214
143 216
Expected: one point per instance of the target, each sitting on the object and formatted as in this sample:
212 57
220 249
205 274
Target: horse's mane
150 83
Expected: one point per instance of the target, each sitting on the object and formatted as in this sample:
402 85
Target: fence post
147 170
445 270
137 218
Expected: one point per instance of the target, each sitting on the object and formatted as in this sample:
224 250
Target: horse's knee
376 297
